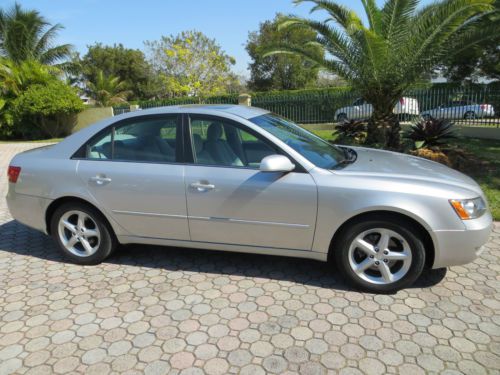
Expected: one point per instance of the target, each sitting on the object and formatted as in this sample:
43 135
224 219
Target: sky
131 22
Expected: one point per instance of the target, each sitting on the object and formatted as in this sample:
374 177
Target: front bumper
28 209
455 247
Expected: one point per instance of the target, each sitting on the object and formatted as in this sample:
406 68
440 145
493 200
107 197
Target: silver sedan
241 179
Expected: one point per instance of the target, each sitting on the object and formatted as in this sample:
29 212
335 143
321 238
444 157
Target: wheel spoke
361 267
81 221
86 245
90 233
71 242
383 242
365 246
386 272
395 255
69 226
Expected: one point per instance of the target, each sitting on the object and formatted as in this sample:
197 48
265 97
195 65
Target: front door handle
100 179
201 186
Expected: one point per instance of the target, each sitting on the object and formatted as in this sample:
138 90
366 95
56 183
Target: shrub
351 131
434 155
431 133
47 110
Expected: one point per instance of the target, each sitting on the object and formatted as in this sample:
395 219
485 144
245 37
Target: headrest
214 132
198 143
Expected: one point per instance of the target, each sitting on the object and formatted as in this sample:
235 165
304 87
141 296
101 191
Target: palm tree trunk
383 127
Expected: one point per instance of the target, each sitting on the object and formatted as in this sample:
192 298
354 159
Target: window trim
81 153
189 149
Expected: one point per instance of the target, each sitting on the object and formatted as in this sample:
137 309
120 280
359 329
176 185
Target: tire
74 225
469 115
426 117
404 245
341 117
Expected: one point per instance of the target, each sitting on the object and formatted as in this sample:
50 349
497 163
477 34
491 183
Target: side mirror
276 163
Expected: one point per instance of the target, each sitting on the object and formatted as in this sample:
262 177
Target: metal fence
475 106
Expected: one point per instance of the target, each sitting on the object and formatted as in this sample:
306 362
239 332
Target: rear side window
146 140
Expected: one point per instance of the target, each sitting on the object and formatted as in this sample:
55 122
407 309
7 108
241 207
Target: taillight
484 107
13 173
402 101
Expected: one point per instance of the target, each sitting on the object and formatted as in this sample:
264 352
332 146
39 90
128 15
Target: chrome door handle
199 186
100 180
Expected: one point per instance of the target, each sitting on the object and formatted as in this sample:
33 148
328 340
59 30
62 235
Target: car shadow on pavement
22 240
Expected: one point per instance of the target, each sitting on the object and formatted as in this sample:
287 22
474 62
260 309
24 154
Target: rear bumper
28 209
457 247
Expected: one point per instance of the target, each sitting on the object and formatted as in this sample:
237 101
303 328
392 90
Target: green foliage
107 90
280 72
191 64
129 65
431 133
26 35
400 44
14 80
46 109
351 131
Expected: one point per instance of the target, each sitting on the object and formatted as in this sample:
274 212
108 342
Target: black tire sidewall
107 243
416 246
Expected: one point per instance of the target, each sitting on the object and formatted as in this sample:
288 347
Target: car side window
152 140
219 142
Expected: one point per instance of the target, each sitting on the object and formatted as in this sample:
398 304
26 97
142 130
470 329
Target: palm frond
396 16
373 14
342 15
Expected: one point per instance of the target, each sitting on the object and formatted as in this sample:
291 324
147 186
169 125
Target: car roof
242 111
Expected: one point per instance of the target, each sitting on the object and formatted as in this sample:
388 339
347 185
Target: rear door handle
199 186
100 180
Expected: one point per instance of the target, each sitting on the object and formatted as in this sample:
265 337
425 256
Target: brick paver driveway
179 311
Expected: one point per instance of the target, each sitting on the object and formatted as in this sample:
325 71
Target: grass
487 150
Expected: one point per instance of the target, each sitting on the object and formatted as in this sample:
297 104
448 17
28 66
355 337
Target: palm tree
398 46
107 90
26 35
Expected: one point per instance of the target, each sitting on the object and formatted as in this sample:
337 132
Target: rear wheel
470 115
82 233
380 255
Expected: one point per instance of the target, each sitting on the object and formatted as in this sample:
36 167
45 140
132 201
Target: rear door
231 201
133 170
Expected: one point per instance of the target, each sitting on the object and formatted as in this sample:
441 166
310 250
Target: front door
229 200
131 170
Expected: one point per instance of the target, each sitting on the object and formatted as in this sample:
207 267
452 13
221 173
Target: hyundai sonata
242 179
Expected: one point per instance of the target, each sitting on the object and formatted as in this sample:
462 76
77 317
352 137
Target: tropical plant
430 133
107 90
400 44
47 110
26 35
16 79
350 131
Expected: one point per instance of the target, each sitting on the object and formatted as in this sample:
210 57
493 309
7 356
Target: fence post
245 99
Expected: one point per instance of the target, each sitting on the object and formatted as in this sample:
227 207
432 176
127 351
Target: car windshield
312 147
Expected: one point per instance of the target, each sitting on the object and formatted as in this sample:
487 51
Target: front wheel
82 233
380 256
341 117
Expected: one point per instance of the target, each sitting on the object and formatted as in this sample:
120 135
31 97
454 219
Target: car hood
379 163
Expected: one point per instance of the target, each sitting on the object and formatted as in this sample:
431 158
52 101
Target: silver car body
248 210
460 110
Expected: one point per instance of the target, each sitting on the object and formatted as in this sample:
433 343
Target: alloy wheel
79 233
380 256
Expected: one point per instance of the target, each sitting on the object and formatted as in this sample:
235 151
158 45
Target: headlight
468 208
